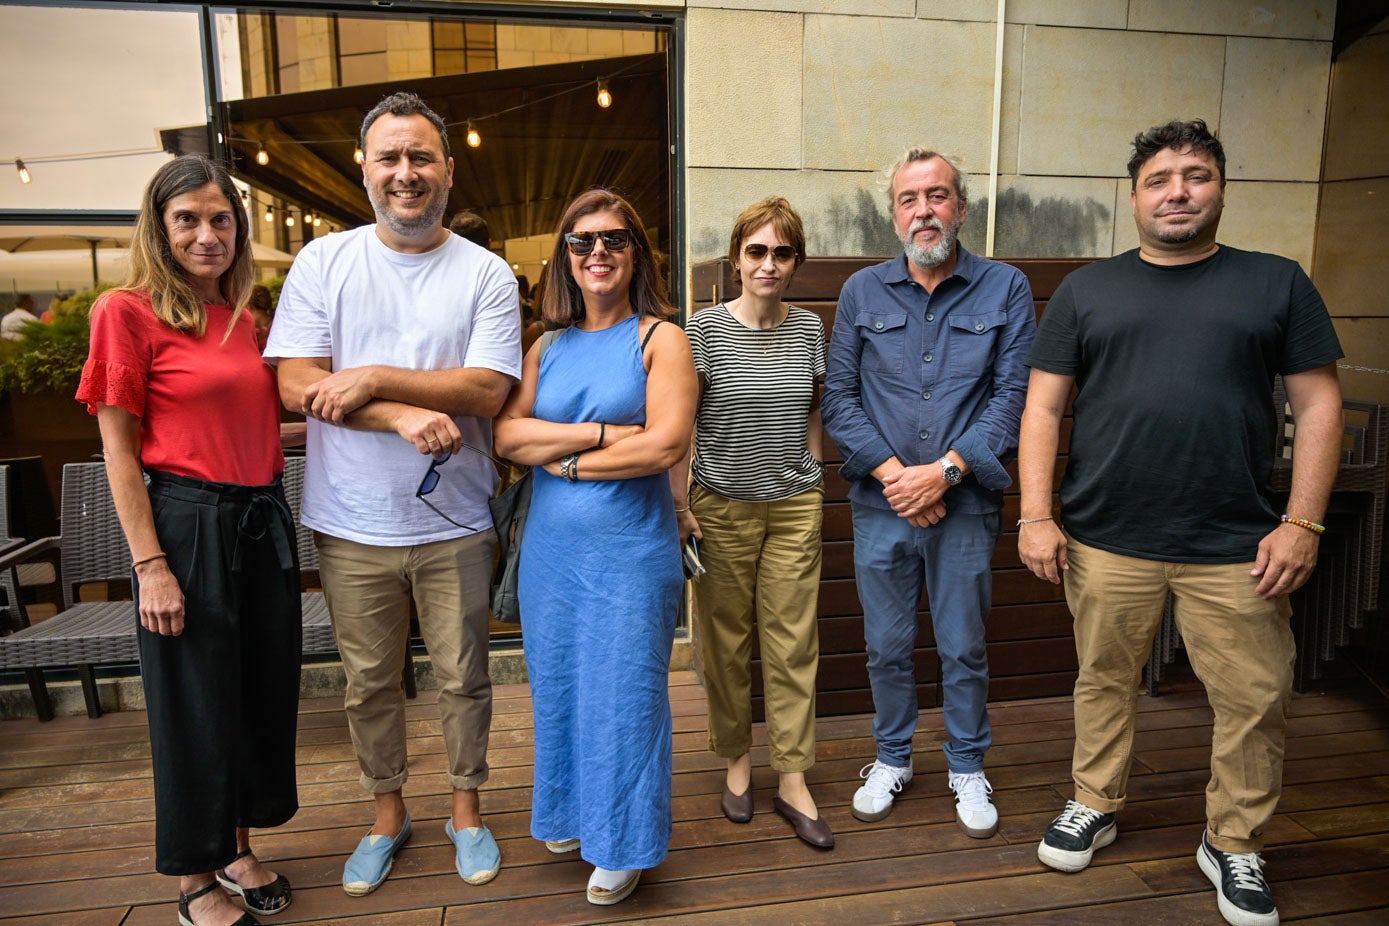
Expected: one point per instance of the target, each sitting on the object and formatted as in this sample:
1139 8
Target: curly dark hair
1179 136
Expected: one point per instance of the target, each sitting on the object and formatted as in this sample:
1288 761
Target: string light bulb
23 171
289 219
474 139
308 218
605 97
317 221
262 156
358 155
269 214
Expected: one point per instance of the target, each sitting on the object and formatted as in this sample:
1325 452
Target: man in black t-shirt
1172 349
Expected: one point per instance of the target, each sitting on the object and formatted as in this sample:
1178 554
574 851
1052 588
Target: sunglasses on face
581 243
430 482
782 253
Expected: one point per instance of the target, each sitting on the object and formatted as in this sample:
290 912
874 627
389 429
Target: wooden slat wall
1031 652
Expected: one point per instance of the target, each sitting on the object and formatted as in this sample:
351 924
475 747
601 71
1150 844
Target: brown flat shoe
737 807
816 832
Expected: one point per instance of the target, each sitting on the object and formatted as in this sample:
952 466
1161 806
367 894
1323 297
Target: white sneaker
873 801
977 815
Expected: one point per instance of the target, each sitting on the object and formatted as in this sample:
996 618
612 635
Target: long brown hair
153 270
563 304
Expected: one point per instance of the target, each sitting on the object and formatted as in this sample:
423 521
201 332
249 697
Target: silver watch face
952 473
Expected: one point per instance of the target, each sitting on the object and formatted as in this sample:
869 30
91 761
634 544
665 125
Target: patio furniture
1345 585
32 515
91 548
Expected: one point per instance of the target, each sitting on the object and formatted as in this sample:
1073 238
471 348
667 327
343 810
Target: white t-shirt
12 325
350 297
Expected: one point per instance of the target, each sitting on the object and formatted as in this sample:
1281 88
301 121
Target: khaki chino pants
763 562
1241 648
368 589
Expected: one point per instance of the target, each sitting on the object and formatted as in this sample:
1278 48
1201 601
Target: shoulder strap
546 340
649 332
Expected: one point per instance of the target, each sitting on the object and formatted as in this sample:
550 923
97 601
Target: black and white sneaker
1074 836
1245 899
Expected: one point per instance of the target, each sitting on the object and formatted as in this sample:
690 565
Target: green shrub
49 357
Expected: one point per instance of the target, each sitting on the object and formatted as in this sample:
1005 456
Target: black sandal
186 919
267 900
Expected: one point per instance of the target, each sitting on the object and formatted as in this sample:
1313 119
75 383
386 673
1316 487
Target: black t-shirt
1172 450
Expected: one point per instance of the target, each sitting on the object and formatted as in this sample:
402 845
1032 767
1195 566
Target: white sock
606 880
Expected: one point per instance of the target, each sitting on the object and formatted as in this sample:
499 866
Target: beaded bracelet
1023 521
1312 526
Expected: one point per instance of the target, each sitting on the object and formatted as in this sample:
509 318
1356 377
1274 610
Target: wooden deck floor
76 825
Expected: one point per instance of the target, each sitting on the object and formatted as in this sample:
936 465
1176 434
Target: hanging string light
317 221
474 139
289 219
23 172
605 97
269 214
308 217
358 155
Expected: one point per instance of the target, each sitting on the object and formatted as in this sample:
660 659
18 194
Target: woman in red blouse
182 397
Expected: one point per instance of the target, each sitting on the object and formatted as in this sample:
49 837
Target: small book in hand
690 554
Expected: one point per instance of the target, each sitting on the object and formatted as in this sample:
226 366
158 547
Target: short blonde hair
777 211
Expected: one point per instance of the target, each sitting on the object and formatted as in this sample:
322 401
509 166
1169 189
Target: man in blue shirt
923 395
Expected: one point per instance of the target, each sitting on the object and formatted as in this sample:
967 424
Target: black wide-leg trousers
223 696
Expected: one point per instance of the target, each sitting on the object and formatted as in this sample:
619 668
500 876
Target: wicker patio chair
92 548
318 630
10 618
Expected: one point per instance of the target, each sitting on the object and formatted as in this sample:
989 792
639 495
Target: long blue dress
600 582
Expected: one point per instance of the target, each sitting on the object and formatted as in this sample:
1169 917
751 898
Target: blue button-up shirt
914 374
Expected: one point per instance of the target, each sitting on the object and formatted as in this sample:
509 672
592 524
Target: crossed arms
419 405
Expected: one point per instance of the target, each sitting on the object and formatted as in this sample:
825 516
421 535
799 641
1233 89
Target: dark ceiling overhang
550 142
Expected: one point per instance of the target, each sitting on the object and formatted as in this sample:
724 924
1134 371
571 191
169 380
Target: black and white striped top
759 385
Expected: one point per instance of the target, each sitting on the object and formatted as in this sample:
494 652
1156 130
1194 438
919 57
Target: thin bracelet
1312 526
1023 521
680 510
148 559
602 430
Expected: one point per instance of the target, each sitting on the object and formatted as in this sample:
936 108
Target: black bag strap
649 332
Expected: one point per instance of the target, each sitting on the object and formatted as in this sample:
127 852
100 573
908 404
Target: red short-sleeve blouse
208 408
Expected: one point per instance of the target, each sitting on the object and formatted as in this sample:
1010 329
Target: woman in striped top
755 502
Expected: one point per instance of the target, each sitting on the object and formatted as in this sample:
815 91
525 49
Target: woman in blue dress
602 417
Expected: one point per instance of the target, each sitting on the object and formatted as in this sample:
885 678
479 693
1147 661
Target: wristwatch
952 473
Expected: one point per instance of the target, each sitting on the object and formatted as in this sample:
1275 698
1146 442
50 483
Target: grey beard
381 205
936 254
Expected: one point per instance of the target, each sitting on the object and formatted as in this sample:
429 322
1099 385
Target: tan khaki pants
368 589
1242 650
763 562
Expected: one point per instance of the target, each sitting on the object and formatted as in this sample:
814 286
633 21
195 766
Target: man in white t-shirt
12 325
399 341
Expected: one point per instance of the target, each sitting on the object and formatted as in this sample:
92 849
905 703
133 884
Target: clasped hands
917 493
